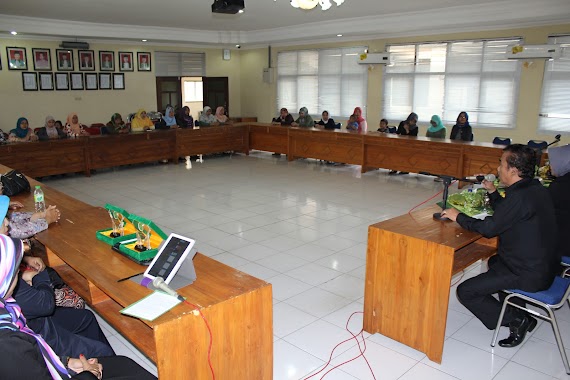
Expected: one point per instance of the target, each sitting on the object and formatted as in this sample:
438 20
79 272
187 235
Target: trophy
143 237
118 224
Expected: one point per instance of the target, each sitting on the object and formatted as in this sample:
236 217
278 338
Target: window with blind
449 77
554 115
322 80
171 64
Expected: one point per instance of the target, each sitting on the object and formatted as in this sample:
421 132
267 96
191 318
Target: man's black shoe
518 328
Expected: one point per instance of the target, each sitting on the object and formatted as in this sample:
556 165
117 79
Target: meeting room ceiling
270 21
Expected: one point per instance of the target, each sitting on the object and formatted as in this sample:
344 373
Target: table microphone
159 283
481 178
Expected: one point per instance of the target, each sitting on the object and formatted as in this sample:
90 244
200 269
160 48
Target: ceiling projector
227 6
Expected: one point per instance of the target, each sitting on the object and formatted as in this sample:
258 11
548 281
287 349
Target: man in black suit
527 258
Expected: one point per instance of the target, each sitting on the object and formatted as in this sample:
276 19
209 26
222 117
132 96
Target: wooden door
216 93
168 91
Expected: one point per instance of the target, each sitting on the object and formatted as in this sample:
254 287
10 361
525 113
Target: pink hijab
360 119
220 115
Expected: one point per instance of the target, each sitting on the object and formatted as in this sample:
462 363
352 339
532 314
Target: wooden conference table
238 307
371 150
410 261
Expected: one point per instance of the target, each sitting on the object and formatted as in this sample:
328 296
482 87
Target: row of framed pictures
32 81
18 60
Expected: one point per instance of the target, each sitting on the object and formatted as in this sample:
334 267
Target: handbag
14 183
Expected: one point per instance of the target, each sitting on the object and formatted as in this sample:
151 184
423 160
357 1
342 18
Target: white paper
61 81
29 82
77 82
46 82
152 306
105 81
118 82
91 81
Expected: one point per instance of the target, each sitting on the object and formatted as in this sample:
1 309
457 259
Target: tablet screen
168 258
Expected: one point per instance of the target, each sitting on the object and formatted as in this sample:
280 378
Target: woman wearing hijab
304 119
560 192
220 115
462 130
22 132
362 125
141 122
184 119
326 121
25 354
437 129
206 118
116 125
73 128
168 121
409 127
49 131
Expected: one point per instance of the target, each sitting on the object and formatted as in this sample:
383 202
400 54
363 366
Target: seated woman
24 225
73 128
58 124
437 129
284 118
141 122
168 121
462 130
362 125
184 119
559 190
206 118
49 131
352 124
304 119
26 355
409 127
22 132
116 125
327 122
221 117
70 332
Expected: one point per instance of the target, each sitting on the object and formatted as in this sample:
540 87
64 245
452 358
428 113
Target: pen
127 278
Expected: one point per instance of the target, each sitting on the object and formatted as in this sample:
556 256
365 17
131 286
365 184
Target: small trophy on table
143 237
118 224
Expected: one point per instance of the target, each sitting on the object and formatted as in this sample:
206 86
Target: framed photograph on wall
42 59
105 81
64 59
143 61
61 81
106 60
77 81
118 81
46 81
86 60
17 59
30 81
125 61
91 81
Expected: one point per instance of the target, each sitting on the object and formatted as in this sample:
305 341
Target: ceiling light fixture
339 35
143 40
241 11
13 32
310 4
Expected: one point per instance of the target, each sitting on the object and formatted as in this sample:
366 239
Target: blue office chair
337 126
550 299
502 141
566 264
472 136
392 129
537 144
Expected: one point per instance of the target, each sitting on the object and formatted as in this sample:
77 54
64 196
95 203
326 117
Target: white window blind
446 78
326 79
170 64
554 115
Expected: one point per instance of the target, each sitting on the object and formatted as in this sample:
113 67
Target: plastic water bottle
39 199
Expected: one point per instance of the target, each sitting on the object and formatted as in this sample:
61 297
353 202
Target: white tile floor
302 226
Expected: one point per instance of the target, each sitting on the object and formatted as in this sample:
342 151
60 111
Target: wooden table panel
481 159
207 140
267 137
43 158
337 146
115 150
409 264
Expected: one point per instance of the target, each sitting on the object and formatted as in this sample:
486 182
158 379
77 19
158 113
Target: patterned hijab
18 131
11 317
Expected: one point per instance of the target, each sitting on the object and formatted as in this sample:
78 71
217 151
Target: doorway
216 93
193 95
168 91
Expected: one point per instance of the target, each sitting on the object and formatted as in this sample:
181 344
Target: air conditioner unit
74 45
374 59
533 51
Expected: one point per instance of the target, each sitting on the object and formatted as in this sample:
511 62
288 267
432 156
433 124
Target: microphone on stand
556 139
480 178
159 283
